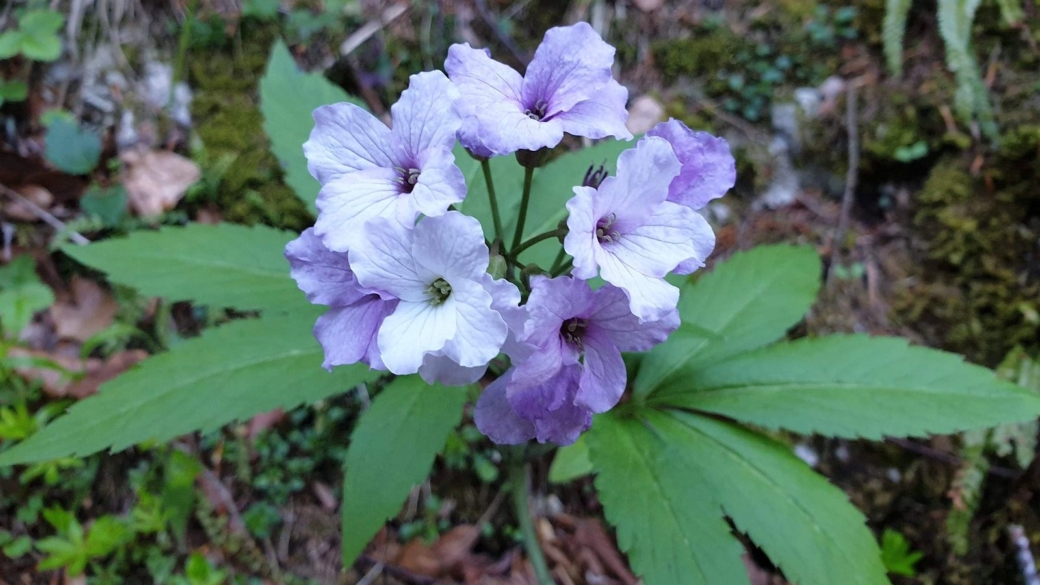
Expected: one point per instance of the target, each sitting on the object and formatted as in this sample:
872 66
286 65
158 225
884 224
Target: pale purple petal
708 167
425 116
440 369
505 299
611 317
451 247
662 240
603 377
600 116
441 184
346 139
479 329
383 261
564 425
543 362
496 418
650 298
490 92
553 301
348 334
324 275
346 203
570 65
580 241
413 330
703 244
643 176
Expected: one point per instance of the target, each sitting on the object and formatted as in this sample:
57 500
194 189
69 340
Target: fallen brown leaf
98 374
60 384
88 312
157 180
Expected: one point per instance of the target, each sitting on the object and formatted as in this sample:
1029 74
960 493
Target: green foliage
21 294
288 96
667 520
222 265
71 148
73 547
13 90
227 374
745 303
391 450
571 462
892 32
896 554
107 204
36 36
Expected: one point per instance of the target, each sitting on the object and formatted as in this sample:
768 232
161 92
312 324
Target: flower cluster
405 275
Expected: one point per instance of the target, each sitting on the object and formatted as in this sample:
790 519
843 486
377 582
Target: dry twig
44 215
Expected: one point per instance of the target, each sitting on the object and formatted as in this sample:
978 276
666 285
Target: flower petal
553 301
663 240
440 369
580 241
601 115
346 139
383 261
603 377
703 244
563 425
324 275
451 247
349 201
708 167
425 116
571 65
643 176
649 298
479 330
413 330
612 318
441 183
496 418
348 334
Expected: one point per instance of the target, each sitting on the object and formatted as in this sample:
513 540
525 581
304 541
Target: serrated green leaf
666 520
853 386
228 374
746 302
571 462
392 450
71 148
806 525
288 97
21 294
223 265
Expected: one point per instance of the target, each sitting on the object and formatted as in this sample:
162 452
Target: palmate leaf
288 97
746 302
667 520
804 524
222 265
228 374
852 386
391 450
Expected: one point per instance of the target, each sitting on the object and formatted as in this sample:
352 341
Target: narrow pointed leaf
853 386
746 302
667 520
288 97
392 449
228 374
806 525
223 265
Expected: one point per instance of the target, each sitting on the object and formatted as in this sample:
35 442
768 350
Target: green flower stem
486 166
563 268
558 262
524 201
519 476
515 252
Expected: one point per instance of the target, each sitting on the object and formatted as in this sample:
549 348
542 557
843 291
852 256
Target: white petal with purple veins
346 139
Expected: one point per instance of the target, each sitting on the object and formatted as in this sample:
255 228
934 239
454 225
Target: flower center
537 112
594 176
407 178
605 231
438 291
572 330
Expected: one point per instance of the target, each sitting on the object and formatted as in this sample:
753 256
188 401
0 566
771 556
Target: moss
230 124
702 55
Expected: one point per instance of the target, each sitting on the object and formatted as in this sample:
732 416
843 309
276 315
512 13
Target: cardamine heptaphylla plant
406 276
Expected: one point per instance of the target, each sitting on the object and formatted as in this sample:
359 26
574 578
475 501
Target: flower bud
497 266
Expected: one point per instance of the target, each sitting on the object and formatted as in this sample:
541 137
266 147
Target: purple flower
435 273
570 366
629 233
368 170
708 169
496 418
568 88
347 331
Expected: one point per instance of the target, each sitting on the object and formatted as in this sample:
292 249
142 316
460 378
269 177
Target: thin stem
519 475
524 201
515 252
564 268
484 164
558 262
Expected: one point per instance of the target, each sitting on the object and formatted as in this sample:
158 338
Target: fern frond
1011 10
893 30
971 99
